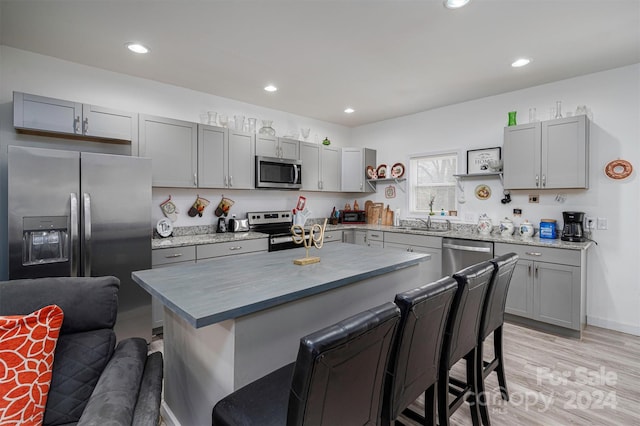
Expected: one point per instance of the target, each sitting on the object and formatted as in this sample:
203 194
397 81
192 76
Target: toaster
238 225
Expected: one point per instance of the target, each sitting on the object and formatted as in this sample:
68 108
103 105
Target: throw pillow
27 346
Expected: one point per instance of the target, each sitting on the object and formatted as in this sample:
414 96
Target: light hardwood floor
559 381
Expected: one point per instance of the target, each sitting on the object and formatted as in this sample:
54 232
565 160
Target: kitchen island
231 320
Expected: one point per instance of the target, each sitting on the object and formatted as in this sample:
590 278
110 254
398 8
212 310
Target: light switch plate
534 198
602 223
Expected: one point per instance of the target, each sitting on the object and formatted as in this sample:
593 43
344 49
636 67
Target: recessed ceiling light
520 62
455 4
271 88
137 48
349 110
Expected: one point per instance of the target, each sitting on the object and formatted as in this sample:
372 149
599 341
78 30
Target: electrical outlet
602 223
590 223
534 198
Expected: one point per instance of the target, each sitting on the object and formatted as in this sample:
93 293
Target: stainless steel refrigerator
82 214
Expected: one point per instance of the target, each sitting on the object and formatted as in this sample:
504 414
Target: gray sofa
94 381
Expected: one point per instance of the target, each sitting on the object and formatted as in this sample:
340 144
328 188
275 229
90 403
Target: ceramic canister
526 229
506 227
484 225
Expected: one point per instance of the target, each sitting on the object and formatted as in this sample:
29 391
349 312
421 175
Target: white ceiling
383 58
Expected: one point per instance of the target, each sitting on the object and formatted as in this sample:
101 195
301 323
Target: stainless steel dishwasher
457 254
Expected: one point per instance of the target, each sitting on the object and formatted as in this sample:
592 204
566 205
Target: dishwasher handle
467 248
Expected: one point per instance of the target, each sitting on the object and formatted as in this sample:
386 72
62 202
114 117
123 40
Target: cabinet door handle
536 271
537 181
328 237
375 235
235 248
544 180
195 179
171 256
529 270
85 126
225 180
76 124
533 253
230 181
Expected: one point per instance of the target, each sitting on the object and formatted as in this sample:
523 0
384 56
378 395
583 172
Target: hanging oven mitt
198 206
223 207
169 209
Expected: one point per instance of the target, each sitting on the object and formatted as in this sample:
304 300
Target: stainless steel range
275 223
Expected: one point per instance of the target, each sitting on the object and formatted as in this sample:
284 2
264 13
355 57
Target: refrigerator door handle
73 252
87 234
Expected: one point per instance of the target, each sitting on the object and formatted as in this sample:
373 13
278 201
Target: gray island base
231 320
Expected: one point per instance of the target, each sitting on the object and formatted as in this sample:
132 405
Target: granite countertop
257 281
462 231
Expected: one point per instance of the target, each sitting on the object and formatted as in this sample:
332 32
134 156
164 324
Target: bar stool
461 341
492 321
336 379
414 360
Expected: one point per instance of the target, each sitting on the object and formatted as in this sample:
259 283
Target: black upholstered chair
337 378
93 380
415 358
461 341
492 321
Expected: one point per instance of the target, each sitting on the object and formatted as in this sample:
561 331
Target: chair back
464 320
493 315
339 372
415 358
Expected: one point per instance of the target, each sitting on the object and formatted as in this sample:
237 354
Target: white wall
613 96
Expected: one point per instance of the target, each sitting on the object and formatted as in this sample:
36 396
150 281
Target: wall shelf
460 177
394 180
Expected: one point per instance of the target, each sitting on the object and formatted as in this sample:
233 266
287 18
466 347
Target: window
432 185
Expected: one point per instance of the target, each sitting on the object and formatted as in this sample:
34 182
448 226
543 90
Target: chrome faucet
426 222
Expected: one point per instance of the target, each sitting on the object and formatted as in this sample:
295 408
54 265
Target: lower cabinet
430 270
162 258
332 236
206 252
355 236
375 239
548 287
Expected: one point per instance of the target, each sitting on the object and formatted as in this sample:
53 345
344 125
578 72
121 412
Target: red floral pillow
27 345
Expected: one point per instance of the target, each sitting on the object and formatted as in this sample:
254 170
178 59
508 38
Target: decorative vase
512 118
266 128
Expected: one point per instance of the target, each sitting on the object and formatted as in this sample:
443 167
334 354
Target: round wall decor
618 169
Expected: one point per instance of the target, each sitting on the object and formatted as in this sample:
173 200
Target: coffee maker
573 227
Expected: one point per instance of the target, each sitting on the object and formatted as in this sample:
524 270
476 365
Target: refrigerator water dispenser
45 240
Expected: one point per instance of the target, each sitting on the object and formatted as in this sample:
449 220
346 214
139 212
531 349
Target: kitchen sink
421 228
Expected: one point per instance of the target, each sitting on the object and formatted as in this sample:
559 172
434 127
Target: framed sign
478 159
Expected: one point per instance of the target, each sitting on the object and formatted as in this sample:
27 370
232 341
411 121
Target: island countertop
233 286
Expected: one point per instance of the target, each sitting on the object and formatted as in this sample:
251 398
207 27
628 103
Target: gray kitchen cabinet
550 154
225 158
332 236
354 169
162 258
206 252
172 146
271 146
57 116
355 236
375 239
320 167
429 271
548 288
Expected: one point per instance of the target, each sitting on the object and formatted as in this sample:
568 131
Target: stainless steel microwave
278 173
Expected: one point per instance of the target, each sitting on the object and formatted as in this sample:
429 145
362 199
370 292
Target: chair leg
497 348
472 380
482 393
430 406
443 395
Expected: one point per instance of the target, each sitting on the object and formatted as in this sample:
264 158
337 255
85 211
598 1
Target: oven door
278 173
283 242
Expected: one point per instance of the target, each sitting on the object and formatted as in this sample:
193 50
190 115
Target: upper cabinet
550 154
60 117
271 146
172 146
320 167
354 169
